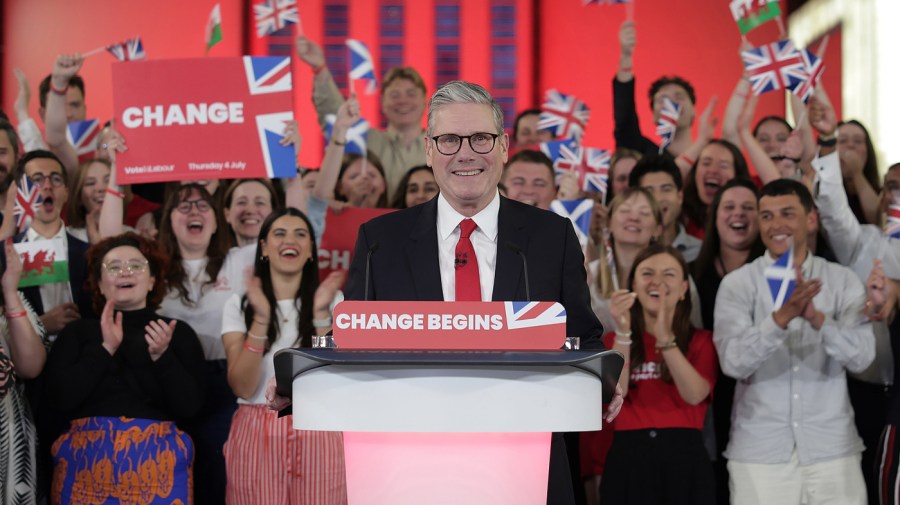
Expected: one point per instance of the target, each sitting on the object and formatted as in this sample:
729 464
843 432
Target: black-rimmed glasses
185 206
450 143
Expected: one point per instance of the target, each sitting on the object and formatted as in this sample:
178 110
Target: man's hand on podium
611 412
277 402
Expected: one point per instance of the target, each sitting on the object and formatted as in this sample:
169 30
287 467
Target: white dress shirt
484 241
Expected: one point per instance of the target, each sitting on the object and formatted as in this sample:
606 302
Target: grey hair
463 92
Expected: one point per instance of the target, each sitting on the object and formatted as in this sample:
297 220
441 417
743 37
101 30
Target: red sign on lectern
521 326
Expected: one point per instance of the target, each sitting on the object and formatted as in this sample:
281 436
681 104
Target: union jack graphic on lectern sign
273 15
361 66
563 115
28 200
357 135
782 278
83 136
668 122
533 314
579 212
129 50
774 66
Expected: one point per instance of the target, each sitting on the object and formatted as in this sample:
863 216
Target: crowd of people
748 379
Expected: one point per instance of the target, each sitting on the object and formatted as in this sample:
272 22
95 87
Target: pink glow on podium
412 468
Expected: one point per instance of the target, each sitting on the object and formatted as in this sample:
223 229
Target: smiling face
403 103
632 222
667 195
361 188
420 188
736 219
852 138
621 170
193 223
783 221
468 180
772 135
288 245
891 184
251 203
659 280
527 133
678 95
96 178
530 183
125 278
714 168
55 197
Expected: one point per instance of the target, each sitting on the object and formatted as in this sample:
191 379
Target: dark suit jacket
77 258
404 266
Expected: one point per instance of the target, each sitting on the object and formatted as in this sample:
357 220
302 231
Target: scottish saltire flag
532 314
774 66
563 115
357 135
782 278
43 262
131 49
361 66
28 200
748 14
268 74
668 122
814 67
83 136
273 15
579 212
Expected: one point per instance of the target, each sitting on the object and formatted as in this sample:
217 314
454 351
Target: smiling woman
719 162
247 203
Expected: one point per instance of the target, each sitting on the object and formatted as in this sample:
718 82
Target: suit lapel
510 230
423 256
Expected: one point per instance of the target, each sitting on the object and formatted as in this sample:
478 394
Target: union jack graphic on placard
668 122
563 115
281 161
131 49
83 136
357 135
774 66
362 68
28 200
531 314
814 67
579 212
268 74
273 15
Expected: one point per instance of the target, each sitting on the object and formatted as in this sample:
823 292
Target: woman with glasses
122 381
267 460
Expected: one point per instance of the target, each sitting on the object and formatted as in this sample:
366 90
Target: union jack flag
268 74
563 115
83 136
782 278
668 122
558 149
361 66
28 200
774 66
892 226
131 49
273 15
532 314
579 212
814 68
594 173
357 135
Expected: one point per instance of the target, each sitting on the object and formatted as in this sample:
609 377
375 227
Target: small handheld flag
774 66
748 14
892 226
814 68
563 115
273 15
361 66
214 28
83 136
357 135
28 200
43 262
667 123
579 212
782 278
129 50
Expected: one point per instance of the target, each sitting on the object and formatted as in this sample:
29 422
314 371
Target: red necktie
468 286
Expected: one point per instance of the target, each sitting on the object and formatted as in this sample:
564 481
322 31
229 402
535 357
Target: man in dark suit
469 243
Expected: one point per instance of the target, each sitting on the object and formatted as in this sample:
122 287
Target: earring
265 258
309 260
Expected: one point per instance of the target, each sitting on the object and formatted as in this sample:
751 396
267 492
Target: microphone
518 250
371 250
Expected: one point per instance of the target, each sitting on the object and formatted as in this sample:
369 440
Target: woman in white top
266 459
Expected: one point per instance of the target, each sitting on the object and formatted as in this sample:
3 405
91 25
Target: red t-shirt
653 403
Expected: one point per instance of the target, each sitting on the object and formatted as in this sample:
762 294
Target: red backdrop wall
577 48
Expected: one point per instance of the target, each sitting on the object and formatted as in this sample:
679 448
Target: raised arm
26 347
347 115
705 131
28 130
758 157
66 66
326 96
295 194
112 211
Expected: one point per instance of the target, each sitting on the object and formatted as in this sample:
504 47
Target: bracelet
317 71
337 142
687 158
321 323
668 345
253 349
13 315
115 193
623 342
257 337
625 69
623 334
60 92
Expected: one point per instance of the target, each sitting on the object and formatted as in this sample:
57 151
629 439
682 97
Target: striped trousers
267 461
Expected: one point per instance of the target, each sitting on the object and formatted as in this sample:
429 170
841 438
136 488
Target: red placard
339 240
522 326
203 118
